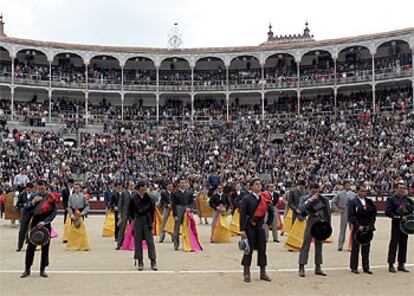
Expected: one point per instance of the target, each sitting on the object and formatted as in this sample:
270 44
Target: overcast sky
202 23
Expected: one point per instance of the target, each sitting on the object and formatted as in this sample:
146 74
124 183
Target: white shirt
362 200
255 195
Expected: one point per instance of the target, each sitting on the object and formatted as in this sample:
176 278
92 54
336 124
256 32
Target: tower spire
1 25
306 32
270 33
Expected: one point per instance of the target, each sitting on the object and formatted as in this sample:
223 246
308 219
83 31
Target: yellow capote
156 227
235 223
221 232
66 228
295 237
186 237
78 239
287 222
109 224
204 211
169 226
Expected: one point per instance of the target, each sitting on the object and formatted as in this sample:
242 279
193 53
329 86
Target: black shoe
276 241
175 248
265 278
154 265
391 268
18 249
355 271
118 248
339 249
318 270
26 273
43 273
368 271
140 266
161 240
301 270
402 268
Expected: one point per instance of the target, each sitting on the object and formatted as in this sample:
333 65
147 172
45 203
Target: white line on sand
184 271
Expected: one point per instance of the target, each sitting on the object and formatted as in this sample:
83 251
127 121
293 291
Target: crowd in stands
283 74
394 99
378 149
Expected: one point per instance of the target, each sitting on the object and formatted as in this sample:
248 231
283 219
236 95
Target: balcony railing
240 84
392 73
354 77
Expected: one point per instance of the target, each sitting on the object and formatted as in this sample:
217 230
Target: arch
175 59
136 72
383 42
277 54
244 57
5 49
93 56
209 56
307 52
345 46
129 58
69 52
29 48
352 46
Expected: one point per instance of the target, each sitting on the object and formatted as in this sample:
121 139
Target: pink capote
129 243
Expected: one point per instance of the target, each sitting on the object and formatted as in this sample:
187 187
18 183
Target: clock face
175 41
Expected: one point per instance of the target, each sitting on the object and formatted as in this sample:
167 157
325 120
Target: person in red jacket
253 209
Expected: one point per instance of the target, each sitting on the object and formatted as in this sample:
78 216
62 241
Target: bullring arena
290 109
105 271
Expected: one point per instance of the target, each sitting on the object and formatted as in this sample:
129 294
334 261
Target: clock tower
175 39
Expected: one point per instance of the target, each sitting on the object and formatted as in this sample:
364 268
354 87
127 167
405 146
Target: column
86 75
122 105
263 106
12 88
298 84
50 90
227 78
227 105
12 73
373 84
263 71
86 93
373 99
122 78
157 96
50 73
158 78
298 73
192 78
50 105
12 102
86 107
335 95
192 107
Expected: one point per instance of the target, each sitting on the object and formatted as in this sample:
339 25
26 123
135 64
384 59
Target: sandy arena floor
216 270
